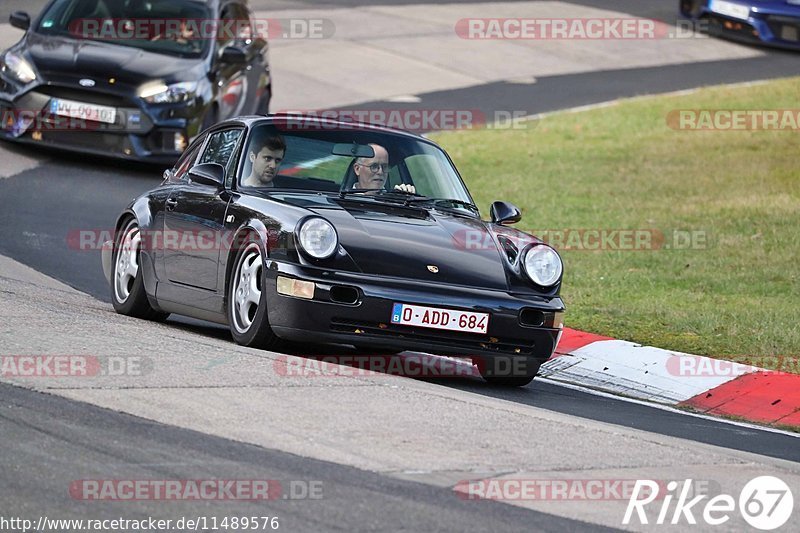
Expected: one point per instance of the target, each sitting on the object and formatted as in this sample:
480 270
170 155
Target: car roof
325 123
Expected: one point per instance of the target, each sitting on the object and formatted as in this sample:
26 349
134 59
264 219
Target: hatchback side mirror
232 55
504 213
208 174
20 19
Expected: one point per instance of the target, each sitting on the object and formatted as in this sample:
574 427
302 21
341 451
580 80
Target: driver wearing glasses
373 172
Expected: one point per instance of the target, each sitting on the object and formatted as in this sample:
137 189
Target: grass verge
727 283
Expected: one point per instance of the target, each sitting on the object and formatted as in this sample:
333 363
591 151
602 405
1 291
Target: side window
428 176
187 161
220 149
236 32
224 37
243 27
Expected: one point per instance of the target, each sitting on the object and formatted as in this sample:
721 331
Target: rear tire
247 299
508 371
128 295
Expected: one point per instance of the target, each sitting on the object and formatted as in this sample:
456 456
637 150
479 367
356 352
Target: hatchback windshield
172 27
316 158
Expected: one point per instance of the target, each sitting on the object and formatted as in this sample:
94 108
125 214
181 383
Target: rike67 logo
765 503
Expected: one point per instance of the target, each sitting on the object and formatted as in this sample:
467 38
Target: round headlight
543 265
318 238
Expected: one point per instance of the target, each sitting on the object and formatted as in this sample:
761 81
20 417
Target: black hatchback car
135 79
305 230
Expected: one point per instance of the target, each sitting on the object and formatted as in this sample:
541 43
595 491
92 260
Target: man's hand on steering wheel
405 187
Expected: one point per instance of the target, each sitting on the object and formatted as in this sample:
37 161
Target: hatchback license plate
81 110
730 9
433 317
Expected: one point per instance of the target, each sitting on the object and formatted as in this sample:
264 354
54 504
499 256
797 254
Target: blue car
771 22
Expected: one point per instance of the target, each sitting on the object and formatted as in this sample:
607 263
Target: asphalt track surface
43 435
39 208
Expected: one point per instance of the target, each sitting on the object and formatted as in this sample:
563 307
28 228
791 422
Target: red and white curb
712 386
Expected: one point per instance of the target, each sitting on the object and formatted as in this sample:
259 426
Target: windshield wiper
443 201
379 194
408 199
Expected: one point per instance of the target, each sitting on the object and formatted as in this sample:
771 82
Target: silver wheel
127 262
246 288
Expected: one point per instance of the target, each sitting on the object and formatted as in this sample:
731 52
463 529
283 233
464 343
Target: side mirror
232 55
208 174
20 19
504 213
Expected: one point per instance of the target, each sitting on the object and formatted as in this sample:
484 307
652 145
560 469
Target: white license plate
729 9
433 317
81 110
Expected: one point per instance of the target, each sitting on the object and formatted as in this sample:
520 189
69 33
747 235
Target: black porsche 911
135 79
289 228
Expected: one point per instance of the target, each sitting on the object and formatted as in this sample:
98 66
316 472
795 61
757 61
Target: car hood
129 65
436 247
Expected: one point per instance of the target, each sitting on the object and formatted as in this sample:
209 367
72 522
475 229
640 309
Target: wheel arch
252 226
140 211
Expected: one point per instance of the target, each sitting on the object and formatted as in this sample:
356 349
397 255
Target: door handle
171 204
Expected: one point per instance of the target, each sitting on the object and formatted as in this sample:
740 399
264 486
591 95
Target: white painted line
405 99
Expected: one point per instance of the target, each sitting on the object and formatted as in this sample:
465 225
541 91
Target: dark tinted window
173 27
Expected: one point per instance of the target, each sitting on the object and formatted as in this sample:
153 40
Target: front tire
510 371
247 299
128 295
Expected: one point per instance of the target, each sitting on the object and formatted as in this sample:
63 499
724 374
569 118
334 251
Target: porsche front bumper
351 308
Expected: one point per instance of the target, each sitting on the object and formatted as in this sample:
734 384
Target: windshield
319 159
159 26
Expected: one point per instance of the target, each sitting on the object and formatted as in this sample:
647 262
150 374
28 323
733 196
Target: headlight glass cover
318 238
16 67
159 93
542 264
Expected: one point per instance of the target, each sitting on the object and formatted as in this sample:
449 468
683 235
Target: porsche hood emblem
433 269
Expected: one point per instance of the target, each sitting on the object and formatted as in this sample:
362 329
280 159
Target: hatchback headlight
542 264
318 238
16 67
159 93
